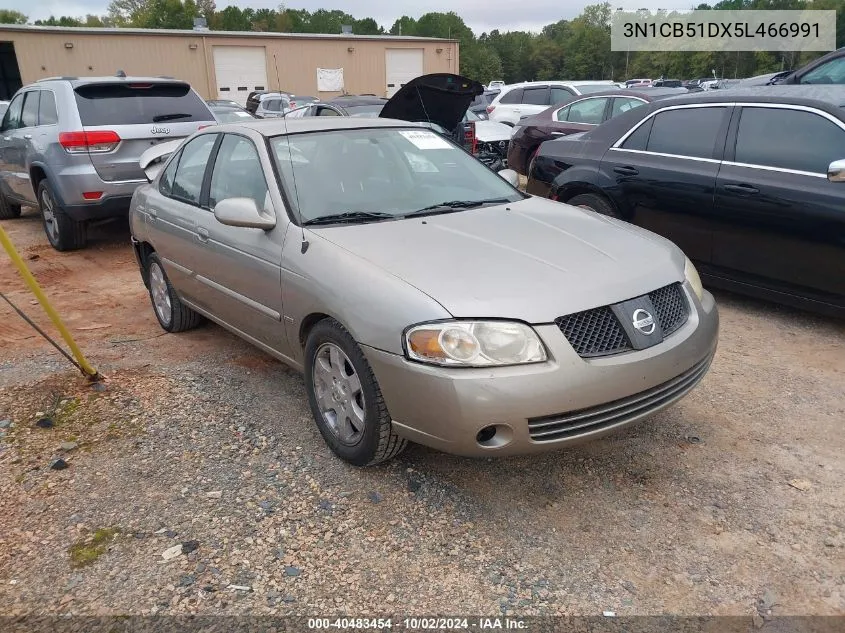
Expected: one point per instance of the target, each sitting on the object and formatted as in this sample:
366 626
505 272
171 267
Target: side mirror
511 176
836 171
243 212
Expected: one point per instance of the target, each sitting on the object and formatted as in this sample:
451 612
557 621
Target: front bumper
445 408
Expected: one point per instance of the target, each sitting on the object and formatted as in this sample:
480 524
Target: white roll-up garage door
403 64
239 70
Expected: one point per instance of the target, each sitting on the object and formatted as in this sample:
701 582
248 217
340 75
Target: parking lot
729 502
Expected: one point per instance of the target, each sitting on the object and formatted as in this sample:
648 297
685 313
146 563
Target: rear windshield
139 103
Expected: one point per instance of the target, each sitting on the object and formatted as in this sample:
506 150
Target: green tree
64 20
404 26
231 19
480 62
166 14
7 16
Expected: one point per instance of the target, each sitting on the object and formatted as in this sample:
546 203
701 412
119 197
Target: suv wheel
345 398
8 211
63 232
172 314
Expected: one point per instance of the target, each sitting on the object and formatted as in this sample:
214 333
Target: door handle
27 136
747 190
7 138
558 133
202 234
626 171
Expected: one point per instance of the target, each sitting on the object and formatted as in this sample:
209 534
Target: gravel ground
196 481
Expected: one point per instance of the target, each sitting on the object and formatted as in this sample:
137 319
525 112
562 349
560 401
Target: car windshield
364 111
471 116
231 115
372 174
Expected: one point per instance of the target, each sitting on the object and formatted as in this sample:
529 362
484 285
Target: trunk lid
142 113
441 98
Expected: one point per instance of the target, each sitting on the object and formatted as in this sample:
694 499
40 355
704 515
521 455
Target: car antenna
304 247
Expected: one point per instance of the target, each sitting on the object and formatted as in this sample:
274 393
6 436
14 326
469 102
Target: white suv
521 100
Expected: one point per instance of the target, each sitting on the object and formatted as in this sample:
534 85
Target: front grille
597 332
594 332
575 423
670 307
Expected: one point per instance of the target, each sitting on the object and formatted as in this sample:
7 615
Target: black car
750 183
827 69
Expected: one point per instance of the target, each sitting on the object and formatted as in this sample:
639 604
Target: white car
495 85
519 100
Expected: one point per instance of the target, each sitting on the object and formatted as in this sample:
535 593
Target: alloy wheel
337 389
160 293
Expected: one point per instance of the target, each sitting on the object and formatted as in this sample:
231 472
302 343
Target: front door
779 221
243 265
665 172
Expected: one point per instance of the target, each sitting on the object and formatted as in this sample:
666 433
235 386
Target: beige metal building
224 65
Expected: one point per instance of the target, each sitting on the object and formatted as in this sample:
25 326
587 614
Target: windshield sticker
425 139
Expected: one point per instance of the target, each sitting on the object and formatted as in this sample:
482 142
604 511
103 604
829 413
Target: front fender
371 303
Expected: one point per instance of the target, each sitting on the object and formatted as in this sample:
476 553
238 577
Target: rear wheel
8 211
63 232
172 314
594 202
345 398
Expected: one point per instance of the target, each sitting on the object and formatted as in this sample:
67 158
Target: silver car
70 146
424 298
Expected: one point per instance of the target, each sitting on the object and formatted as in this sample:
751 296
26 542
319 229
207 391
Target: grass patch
89 549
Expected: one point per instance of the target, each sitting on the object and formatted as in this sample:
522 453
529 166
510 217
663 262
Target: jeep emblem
160 130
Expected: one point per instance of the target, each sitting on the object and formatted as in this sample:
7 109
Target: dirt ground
729 503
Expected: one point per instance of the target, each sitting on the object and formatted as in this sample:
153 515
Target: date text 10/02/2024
418 624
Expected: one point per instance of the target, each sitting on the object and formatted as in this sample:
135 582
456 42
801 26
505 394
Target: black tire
177 316
378 441
8 211
594 202
63 232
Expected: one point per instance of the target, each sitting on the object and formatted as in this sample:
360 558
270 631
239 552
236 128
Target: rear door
19 146
665 174
580 116
535 99
780 222
177 218
8 159
135 116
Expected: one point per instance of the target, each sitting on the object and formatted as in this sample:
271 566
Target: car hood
533 260
441 98
490 131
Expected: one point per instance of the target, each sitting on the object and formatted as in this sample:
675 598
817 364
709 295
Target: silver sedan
422 295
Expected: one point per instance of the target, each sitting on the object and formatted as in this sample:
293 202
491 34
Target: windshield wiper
454 205
348 217
170 117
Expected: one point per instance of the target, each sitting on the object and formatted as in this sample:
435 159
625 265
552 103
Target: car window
587 111
813 141
29 114
560 94
639 139
514 96
139 103
187 183
327 112
12 118
271 105
536 96
237 172
47 114
686 132
623 104
832 72
165 184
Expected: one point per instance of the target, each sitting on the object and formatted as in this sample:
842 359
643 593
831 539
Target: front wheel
63 232
345 398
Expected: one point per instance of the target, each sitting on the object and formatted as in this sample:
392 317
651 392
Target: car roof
816 94
276 127
356 100
83 81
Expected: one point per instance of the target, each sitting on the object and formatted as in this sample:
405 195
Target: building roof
85 30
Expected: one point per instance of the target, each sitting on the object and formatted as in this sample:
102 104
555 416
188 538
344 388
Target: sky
480 15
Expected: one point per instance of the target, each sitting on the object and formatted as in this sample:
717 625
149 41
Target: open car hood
440 98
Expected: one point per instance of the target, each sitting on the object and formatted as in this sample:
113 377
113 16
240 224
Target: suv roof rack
68 78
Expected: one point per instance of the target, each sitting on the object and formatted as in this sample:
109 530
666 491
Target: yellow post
29 280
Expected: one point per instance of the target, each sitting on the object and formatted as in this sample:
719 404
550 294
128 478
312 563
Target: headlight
474 343
694 280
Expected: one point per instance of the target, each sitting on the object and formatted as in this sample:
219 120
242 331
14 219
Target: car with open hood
423 296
